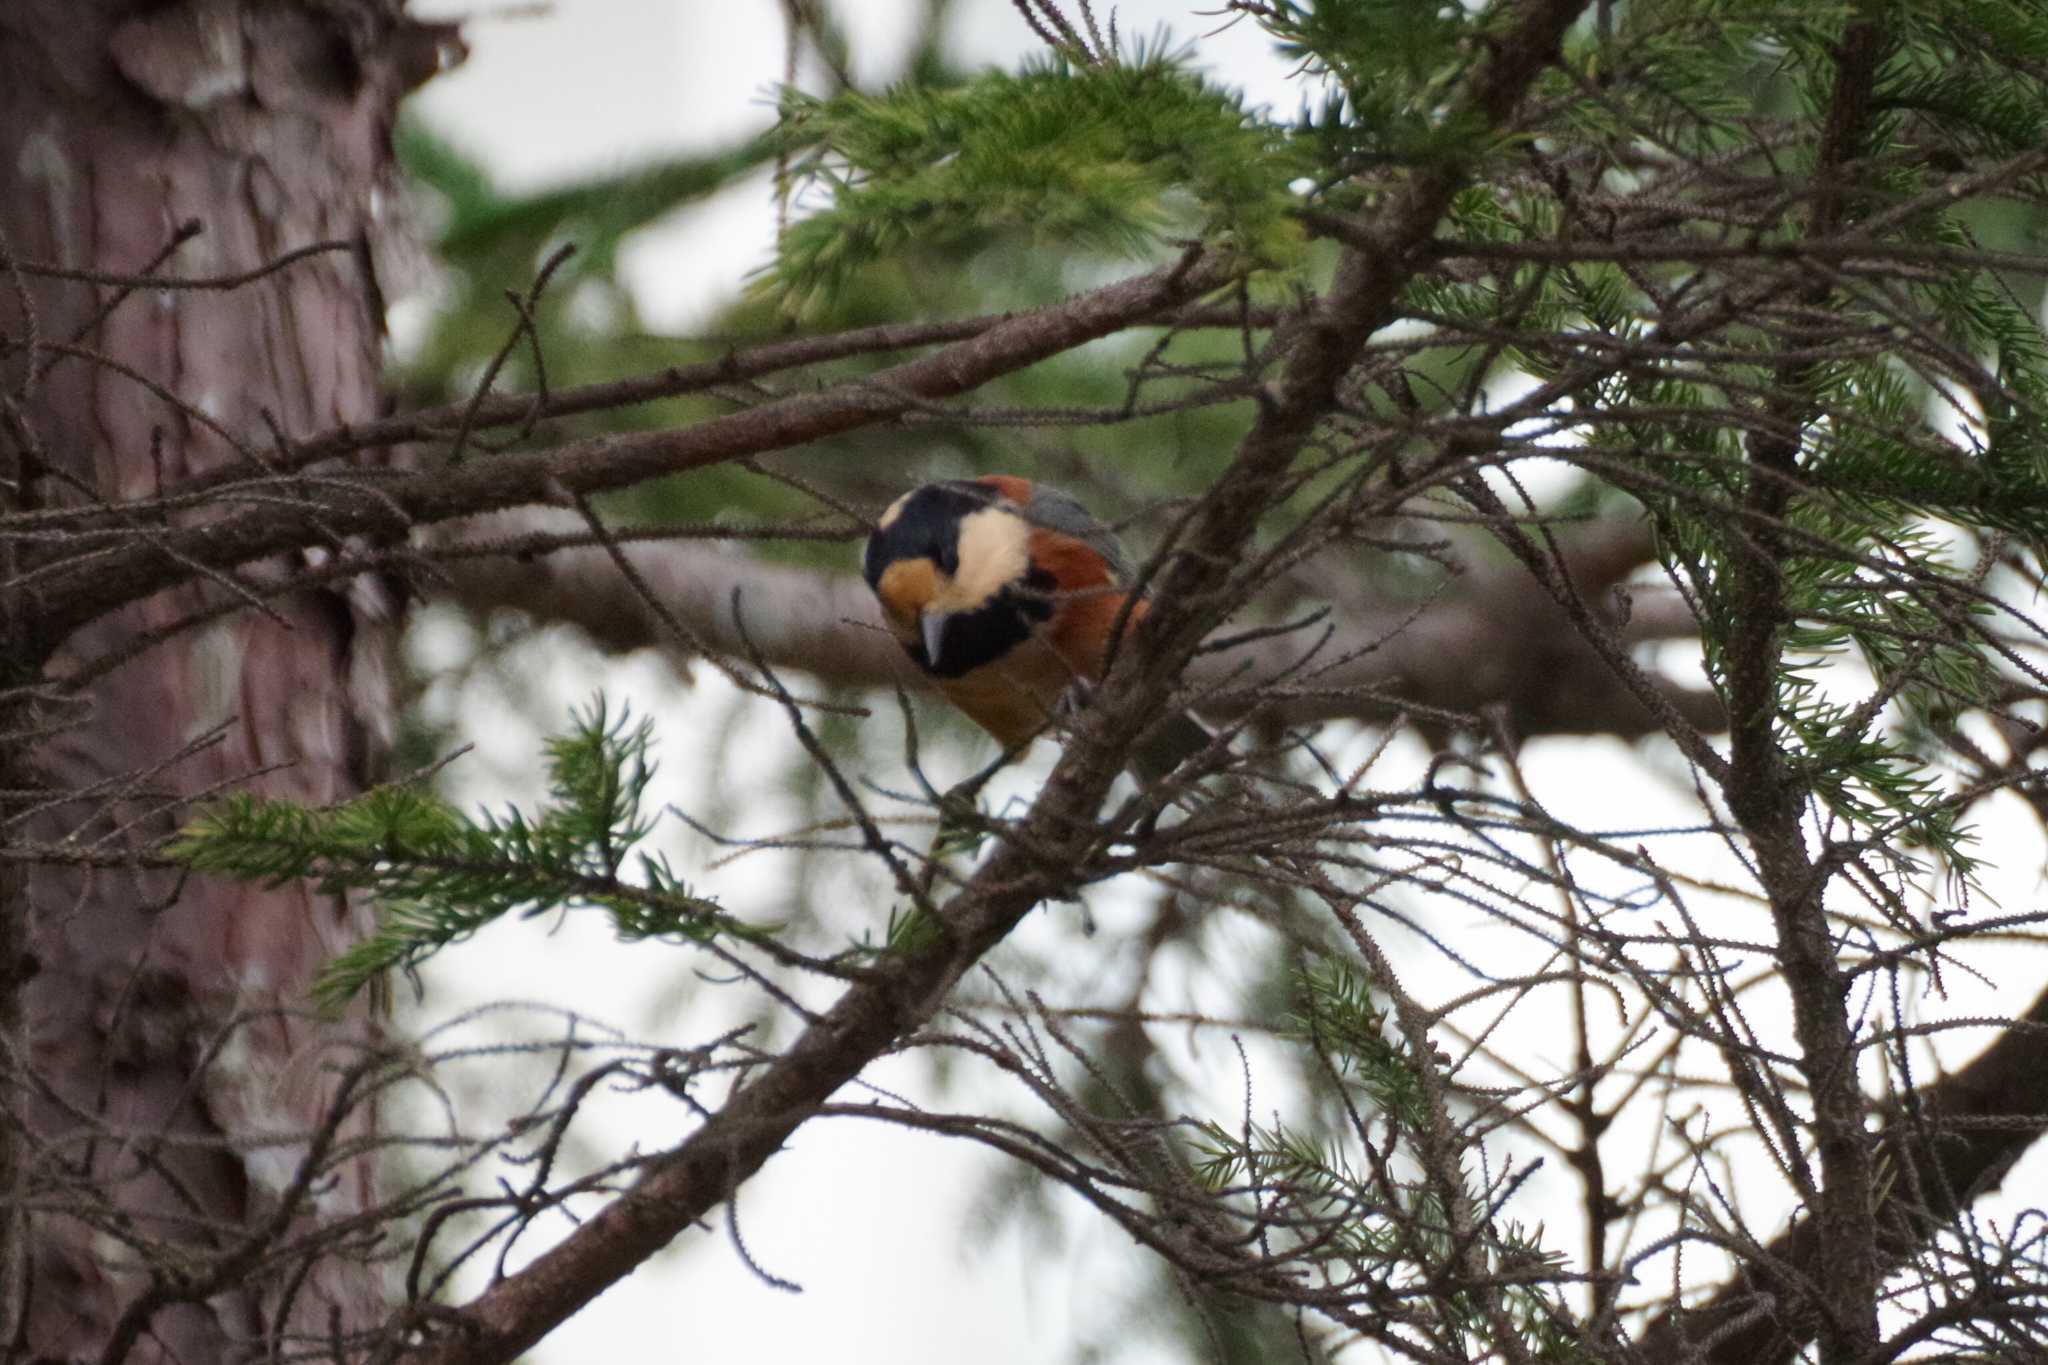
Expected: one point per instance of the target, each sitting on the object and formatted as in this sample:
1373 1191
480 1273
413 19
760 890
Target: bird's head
951 564
1008 593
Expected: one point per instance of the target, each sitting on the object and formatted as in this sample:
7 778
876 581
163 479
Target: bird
1007 594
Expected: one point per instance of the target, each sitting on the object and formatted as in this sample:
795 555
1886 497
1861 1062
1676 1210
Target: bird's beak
933 624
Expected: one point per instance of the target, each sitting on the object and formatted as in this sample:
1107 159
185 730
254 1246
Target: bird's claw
1073 700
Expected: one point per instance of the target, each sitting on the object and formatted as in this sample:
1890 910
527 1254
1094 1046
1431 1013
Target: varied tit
1006 593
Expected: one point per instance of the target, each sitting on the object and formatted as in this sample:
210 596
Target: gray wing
1062 512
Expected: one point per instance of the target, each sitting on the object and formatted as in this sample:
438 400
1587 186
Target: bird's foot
1073 700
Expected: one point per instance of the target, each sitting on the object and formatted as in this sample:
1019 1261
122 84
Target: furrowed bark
204 136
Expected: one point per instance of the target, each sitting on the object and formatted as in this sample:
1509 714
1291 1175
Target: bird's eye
949 559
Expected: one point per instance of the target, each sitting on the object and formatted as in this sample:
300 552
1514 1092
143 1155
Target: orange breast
1088 601
1014 697
1081 628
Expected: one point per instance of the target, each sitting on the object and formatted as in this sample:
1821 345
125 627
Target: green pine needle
1114 159
438 876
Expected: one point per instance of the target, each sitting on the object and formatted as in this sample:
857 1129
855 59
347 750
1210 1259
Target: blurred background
629 127
632 128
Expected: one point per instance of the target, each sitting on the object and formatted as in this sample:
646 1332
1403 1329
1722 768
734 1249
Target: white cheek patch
995 552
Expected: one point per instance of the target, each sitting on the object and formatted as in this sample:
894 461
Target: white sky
869 1220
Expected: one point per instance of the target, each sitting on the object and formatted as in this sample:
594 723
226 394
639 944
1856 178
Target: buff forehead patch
894 511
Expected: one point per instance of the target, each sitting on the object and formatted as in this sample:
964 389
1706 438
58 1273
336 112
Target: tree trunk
158 1017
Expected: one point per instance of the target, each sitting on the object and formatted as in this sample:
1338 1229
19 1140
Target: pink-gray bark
266 126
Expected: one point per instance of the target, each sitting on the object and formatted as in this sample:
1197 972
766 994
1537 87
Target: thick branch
1492 640
739 366
293 513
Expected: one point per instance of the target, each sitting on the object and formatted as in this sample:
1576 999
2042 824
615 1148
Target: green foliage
1111 158
590 331
1890 506
1390 67
438 876
587 325
487 241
